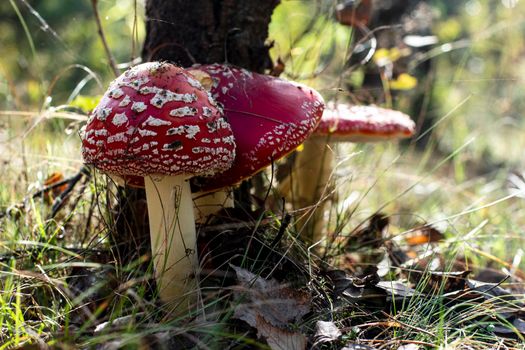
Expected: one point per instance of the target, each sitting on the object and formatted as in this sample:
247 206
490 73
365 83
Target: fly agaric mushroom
350 123
269 117
314 164
157 121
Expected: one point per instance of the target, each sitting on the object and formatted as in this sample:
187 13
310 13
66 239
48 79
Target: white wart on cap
270 117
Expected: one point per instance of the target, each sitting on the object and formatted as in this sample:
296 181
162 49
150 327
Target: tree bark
208 31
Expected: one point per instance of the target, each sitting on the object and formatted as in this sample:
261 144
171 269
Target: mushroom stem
210 203
173 239
312 170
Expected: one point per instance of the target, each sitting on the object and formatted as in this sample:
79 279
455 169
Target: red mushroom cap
364 123
157 119
269 117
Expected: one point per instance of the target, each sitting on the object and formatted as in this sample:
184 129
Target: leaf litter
288 302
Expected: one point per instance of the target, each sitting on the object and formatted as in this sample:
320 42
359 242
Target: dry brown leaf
55 192
370 236
278 68
278 338
423 235
354 13
271 308
326 332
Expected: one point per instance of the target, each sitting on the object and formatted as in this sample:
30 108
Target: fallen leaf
490 275
493 291
436 281
357 289
278 338
52 179
326 332
519 324
340 281
513 329
270 308
370 236
396 289
354 13
423 235
404 81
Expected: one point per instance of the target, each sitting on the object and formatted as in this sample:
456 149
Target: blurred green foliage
480 61
66 45
476 74
475 79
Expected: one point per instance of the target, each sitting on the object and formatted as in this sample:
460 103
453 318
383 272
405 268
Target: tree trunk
208 31
187 32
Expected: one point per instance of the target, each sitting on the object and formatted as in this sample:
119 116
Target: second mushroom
309 186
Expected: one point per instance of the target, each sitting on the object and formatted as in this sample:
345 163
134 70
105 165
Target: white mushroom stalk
158 123
309 187
173 237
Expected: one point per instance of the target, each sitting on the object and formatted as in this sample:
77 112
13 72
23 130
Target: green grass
480 221
460 183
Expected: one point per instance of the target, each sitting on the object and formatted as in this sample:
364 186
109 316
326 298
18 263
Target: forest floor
414 260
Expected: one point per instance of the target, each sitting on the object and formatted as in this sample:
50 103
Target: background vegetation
463 172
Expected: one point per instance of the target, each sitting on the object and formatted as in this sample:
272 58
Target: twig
84 171
408 325
88 218
103 38
77 197
45 189
60 200
270 184
284 225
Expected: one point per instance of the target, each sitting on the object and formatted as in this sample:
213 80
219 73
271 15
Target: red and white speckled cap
269 117
157 119
363 123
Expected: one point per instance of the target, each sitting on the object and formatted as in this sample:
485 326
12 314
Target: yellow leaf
449 30
34 90
394 54
381 55
86 103
403 82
